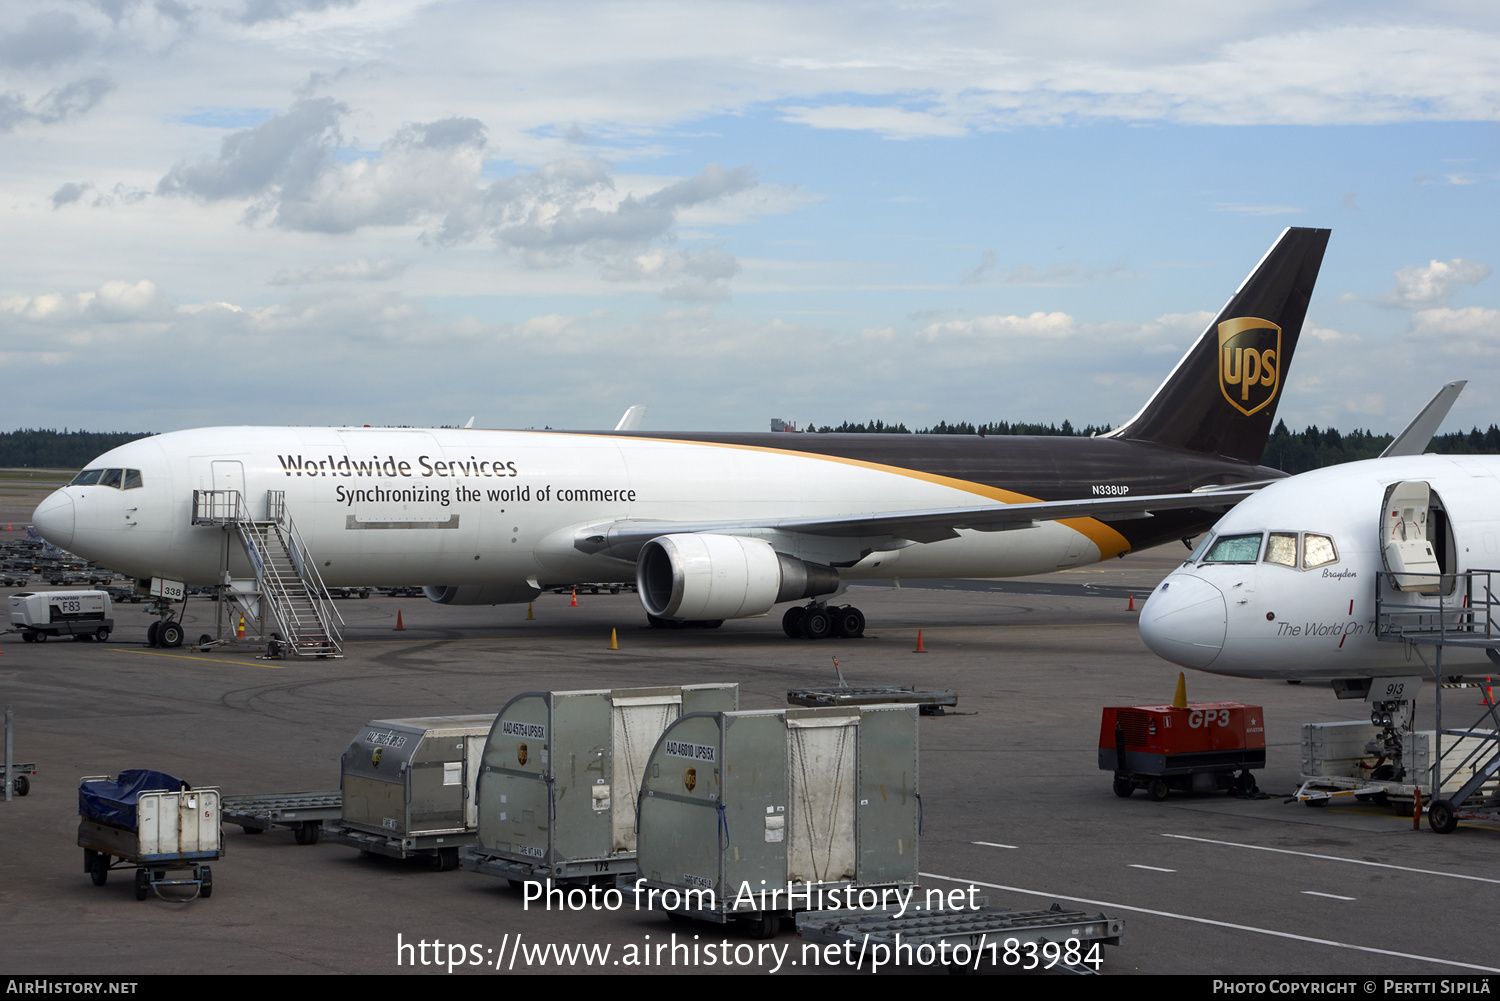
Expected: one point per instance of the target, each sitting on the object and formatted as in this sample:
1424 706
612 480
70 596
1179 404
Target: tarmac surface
1013 799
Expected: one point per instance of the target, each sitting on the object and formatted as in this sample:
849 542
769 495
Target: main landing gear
818 621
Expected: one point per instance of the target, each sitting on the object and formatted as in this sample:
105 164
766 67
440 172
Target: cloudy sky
398 212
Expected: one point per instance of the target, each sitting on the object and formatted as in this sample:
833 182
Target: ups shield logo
521 754
1249 363
690 779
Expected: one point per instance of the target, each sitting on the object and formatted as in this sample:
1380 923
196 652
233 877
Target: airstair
287 583
1466 760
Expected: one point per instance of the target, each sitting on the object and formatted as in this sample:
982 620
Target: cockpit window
1317 551
1281 549
120 479
1234 549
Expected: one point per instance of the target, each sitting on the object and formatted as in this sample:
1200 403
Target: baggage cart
21 776
154 823
303 812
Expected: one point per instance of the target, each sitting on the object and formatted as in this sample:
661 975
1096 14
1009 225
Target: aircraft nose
53 519
1184 621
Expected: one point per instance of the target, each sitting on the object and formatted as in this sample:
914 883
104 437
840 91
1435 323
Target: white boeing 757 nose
53 519
1184 621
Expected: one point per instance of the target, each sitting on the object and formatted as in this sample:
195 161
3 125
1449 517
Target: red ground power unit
1199 748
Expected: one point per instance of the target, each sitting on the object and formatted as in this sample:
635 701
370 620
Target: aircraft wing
623 539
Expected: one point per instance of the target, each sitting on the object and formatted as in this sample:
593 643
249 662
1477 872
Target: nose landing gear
165 632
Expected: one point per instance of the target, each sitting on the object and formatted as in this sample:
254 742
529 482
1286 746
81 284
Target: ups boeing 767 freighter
709 526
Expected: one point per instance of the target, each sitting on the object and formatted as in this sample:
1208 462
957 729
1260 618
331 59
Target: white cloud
1471 331
892 123
1311 329
362 270
1434 283
1258 209
112 302
288 170
48 37
1052 326
57 105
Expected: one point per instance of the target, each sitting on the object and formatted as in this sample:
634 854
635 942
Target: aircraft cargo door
1416 543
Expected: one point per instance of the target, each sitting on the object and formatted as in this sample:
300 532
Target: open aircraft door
1414 538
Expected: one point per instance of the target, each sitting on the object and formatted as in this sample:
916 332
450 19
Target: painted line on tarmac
1335 858
991 844
1222 924
1152 868
184 656
1330 896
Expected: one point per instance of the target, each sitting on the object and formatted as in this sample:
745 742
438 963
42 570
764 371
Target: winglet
632 418
1418 434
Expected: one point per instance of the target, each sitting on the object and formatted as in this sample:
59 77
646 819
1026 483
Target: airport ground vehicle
84 615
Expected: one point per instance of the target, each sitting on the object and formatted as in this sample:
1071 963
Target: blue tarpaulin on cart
112 801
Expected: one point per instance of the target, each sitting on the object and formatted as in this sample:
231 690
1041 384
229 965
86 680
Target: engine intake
723 577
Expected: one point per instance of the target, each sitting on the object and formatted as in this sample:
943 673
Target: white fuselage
461 507
1248 615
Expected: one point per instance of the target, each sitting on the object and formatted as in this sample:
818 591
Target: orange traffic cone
528 611
1131 607
1489 695
574 602
239 628
399 624
920 648
614 641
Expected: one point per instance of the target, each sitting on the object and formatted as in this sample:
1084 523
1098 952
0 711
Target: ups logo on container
1249 362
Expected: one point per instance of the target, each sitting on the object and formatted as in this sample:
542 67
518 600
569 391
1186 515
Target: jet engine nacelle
722 577
481 594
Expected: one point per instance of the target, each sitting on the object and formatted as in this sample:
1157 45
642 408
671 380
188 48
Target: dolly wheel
445 860
142 884
1158 789
1441 817
310 833
763 925
99 871
1123 787
206 882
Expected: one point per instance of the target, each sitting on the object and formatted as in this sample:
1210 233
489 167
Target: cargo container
562 770
753 816
408 787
